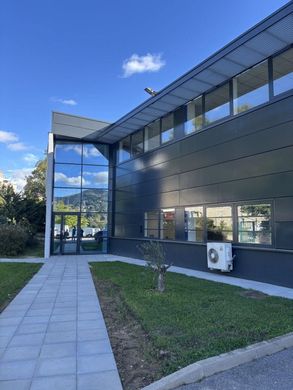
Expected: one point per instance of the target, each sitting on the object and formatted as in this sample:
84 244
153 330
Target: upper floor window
254 224
193 116
137 143
68 152
283 72
167 133
194 223
124 149
152 136
219 223
217 104
251 88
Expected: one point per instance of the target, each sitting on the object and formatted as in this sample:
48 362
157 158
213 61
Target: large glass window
93 232
254 224
151 224
152 136
68 152
194 116
219 223
167 133
283 72
194 224
95 154
217 104
167 224
251 88
124 149
137 143
67 175
66 199
94 200
95 176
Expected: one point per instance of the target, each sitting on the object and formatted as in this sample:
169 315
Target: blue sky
94 58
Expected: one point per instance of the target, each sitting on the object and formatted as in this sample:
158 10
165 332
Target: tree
154 255
10 205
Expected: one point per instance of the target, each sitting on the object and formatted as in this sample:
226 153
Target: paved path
53 336
273 372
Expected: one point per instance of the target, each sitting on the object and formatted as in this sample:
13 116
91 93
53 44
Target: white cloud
30 158
99 177
73 181
141 64
17 147
76 148
17 177
7 136
67 102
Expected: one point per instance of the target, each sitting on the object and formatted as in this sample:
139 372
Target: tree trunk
161 282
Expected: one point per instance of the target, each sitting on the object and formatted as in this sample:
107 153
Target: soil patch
254 294
137 360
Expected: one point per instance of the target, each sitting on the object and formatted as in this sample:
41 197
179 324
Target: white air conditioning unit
220 256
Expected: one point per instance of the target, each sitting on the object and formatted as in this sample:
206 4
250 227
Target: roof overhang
266 38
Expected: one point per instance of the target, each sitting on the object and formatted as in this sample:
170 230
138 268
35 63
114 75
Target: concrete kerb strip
208 367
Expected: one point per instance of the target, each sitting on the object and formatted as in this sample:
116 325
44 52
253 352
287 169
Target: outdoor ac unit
220 256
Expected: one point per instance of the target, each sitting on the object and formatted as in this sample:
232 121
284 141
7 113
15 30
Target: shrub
13 239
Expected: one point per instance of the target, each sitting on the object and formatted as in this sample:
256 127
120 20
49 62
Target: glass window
68 152
67 175
93 232
95 176
94 200
167 224
95 154
194 224
152 136
151 224
167 133
194 116
283 72
219 223
217 104
251 88
137 143
124 149
66 199
254 224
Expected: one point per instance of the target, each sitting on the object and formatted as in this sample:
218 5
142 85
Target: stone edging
207 367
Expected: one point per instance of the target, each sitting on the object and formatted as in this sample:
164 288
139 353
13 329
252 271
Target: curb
207 367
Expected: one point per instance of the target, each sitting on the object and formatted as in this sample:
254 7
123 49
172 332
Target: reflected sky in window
67 175
95 177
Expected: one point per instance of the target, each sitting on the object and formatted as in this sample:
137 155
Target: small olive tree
154 254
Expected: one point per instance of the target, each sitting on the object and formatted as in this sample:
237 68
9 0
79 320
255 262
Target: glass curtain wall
80 199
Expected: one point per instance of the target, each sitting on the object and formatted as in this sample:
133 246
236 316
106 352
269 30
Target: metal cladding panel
227 67
265 43
245 56
211 76
184 92
172 99
283 29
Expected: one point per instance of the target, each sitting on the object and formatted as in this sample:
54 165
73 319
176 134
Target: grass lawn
194 319
13 277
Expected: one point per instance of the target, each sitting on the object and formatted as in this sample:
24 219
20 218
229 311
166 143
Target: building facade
209 158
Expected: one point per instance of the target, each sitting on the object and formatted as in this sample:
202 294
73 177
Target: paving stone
64 382
60 337
58 350
99 381
21 353
58 366
95 363
17 369
62 326
21 384
94 347
32 328
27 339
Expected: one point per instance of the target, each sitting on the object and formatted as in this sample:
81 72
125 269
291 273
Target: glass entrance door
66 234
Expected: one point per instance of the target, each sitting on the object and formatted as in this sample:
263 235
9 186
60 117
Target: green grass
92 246
195 319
13 277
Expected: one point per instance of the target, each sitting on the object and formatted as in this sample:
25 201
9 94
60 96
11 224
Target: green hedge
13 239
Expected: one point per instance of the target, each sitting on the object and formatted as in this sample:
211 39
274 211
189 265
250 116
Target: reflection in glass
167 224
217 104
152 136
67 175
219 223
151 224
68 152
93 233
94 200
167 133
137 143
124 149
66 199
194 224
95 176
194 116
254 224
251 88
69 234
283 72
95 154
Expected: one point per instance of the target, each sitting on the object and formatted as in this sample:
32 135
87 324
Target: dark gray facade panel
260 265
284 210
284 235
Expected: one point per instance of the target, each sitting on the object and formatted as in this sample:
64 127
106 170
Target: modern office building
209 158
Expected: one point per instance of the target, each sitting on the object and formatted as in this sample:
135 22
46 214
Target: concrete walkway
53 336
